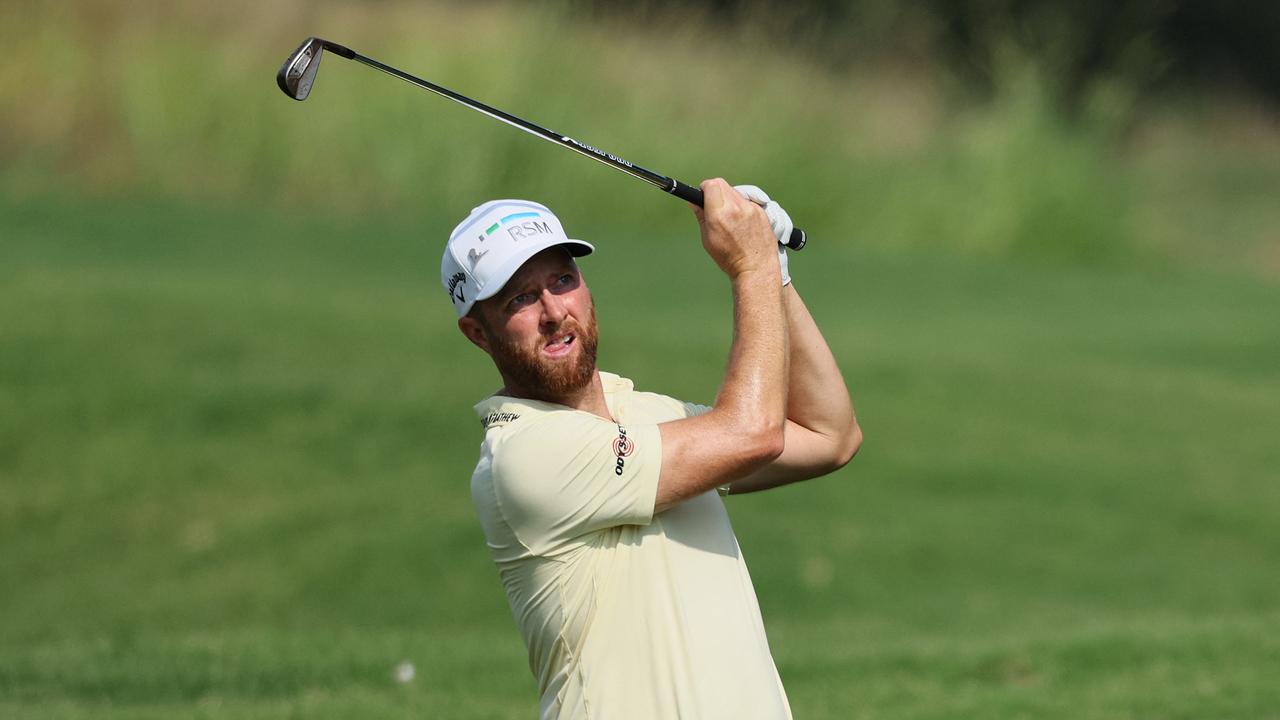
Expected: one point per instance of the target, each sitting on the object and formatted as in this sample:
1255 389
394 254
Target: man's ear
474 332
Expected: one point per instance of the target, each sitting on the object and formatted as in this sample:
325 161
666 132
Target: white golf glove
779 220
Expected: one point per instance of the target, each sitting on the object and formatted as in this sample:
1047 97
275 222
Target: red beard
529 372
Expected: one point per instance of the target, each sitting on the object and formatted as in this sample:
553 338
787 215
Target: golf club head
298 73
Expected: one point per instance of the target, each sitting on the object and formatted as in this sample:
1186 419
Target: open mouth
560 344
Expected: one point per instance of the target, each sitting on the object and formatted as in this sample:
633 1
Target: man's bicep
576 476
806 455
701 453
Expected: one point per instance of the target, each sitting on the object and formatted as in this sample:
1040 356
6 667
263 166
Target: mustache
570 327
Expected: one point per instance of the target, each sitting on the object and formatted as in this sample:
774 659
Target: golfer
602 504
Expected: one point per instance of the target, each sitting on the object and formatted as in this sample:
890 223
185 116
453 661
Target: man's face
540 329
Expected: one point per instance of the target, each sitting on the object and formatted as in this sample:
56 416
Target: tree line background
1160 46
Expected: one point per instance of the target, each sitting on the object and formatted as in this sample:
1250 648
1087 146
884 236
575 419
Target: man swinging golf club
601 504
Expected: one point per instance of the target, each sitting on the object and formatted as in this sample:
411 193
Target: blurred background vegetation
234 411
1089 132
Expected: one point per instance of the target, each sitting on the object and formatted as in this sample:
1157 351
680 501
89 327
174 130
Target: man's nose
553 310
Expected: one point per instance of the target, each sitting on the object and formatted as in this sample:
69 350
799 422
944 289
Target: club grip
686 193
692 194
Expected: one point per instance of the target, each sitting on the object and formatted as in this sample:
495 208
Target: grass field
235 446
235 425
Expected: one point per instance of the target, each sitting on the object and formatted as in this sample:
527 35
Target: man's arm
822 432
744 430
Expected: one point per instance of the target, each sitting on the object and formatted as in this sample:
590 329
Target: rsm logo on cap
519 231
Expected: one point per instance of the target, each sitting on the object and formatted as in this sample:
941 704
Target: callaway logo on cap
487 248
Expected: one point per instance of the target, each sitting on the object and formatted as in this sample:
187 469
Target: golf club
298 75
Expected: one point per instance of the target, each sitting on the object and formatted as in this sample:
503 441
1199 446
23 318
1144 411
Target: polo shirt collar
497 410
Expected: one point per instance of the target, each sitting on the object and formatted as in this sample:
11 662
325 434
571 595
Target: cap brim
576 248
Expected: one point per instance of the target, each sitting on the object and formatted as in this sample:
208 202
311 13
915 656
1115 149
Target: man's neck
588 398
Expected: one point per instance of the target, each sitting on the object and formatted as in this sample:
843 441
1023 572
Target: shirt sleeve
572 474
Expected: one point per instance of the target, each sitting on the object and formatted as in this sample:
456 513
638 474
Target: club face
298 73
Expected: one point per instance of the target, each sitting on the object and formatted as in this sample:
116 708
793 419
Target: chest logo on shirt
622 449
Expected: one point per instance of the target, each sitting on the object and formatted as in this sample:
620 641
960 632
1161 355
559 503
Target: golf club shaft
662 182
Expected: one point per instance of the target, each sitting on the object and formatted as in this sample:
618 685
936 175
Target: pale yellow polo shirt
626 614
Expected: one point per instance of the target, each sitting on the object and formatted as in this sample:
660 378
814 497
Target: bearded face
527 367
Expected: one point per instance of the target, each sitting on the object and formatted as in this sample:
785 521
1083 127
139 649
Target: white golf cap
487 248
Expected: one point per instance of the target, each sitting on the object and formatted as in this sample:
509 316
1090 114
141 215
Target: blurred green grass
236 448
235 427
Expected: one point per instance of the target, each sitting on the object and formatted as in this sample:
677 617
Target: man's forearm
817 398
745 430
755 384
821 432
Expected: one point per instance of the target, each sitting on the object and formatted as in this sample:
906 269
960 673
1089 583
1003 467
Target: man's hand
735 231
779 220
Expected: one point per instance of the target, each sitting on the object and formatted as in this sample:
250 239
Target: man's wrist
769 270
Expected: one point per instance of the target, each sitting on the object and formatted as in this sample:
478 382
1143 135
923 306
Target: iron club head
298 73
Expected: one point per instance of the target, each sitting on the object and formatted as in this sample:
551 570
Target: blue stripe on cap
517 216
478 214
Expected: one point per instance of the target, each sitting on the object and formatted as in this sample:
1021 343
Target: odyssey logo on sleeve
623 446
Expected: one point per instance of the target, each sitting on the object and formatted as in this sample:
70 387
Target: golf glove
779 220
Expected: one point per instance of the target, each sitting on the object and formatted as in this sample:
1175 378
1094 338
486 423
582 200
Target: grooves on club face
298 73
